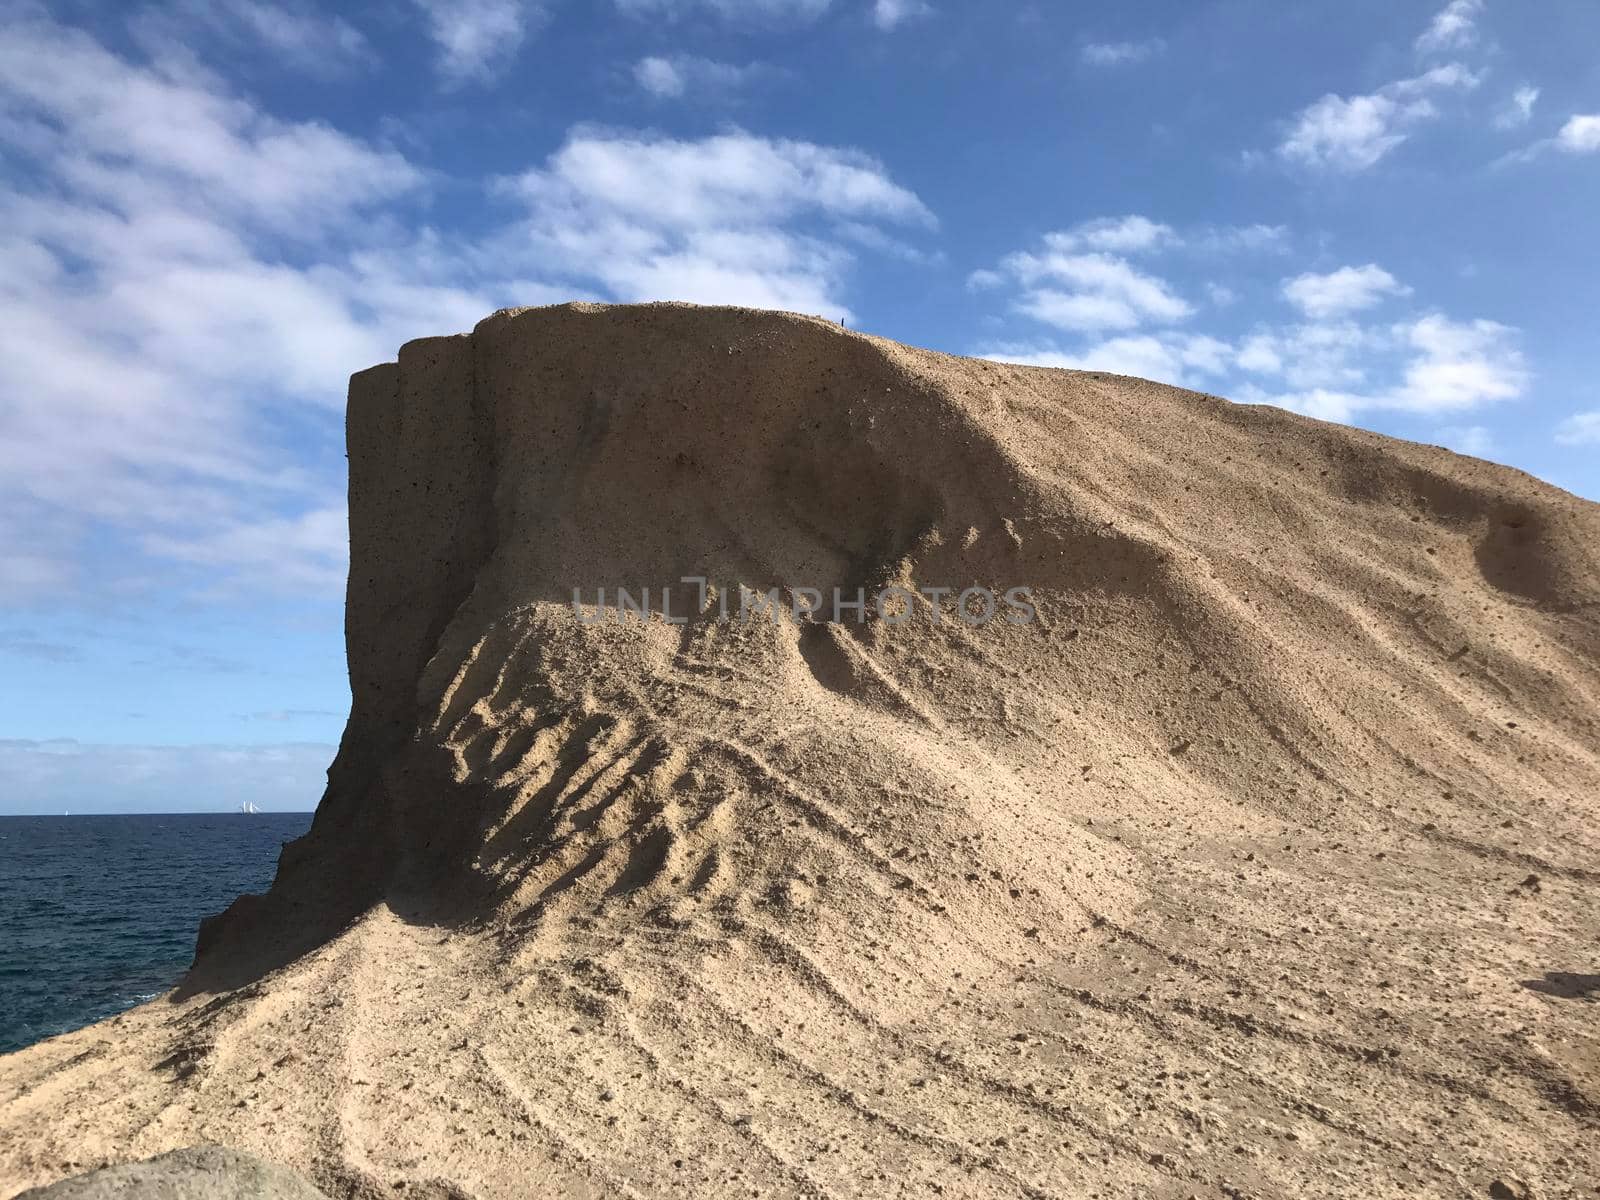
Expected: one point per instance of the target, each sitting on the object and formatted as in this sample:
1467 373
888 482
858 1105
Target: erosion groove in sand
1263 863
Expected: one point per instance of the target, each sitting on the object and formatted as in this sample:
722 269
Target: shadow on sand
1564 985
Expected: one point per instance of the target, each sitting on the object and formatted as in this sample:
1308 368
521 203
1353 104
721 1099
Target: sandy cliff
1263 862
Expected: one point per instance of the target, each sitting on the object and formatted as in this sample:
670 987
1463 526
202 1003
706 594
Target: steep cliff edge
1256 852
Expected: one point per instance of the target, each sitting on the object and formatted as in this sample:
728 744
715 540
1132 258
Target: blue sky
213 211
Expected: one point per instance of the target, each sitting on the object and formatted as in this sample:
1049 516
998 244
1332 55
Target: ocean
98 914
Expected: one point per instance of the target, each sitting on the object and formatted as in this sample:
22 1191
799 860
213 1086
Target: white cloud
1072 289
186 283
291 33
1344 134
1325 404
1120 54
1121 235
478 39
1517 111
1347 290
733 218
1259 354
1580 429
1170 357
684 75
1429 365
1457 366
39 553
1329 367
1241 239
1475 440
1354 133
1082 278
1323 356
191 141
889 15
661 77
1580 135
1105 293
733 180
1450 77
1080 310
305 551
148 346
1454 27
755 12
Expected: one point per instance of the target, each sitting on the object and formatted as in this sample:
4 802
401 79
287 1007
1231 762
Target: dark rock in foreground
193 1173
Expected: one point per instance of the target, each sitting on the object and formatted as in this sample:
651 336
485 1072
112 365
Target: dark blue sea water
99 913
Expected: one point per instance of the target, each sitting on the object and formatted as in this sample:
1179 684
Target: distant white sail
248 807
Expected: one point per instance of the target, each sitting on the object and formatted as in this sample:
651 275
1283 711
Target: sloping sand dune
1262 863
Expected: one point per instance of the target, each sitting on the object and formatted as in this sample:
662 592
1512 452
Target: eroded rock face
1205 880
1276 595
194 1173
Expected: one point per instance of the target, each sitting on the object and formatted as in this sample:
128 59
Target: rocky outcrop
1207 876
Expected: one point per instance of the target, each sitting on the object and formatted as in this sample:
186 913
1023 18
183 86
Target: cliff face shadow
259 934
1563 985
354 858
253 937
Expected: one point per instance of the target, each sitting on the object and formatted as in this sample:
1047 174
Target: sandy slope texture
1262 864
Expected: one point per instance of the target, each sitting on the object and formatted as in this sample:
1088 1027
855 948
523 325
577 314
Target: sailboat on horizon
248 807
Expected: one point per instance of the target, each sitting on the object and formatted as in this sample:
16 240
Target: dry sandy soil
1263 863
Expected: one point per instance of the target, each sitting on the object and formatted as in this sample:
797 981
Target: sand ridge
1262 863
